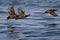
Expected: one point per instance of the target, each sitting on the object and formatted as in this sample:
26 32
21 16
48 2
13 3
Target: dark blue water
38 26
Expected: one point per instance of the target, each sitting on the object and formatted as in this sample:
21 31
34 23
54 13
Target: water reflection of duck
12 36
10 28
51 11
21 14
52 25
11 13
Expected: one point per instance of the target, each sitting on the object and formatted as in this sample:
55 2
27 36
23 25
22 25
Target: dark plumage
11 12
51 11
21 14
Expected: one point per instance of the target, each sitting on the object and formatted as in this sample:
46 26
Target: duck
21 14
52 12
11 12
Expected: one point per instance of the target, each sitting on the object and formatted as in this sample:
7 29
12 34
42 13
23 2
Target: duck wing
53 13
11 10
20 11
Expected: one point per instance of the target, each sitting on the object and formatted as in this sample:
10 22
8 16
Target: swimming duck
21 14
51 11
11 12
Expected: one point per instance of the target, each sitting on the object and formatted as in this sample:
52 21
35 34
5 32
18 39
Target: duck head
27 15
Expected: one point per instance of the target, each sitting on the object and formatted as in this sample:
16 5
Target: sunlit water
38 26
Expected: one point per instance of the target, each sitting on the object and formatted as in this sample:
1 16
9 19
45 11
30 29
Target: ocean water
38 26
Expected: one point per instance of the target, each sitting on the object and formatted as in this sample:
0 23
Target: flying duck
21 14
52 12
11 12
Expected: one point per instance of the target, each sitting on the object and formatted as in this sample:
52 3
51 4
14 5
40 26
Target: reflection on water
10 28
12 36
52 25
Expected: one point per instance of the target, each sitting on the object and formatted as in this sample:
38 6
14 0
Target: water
38 26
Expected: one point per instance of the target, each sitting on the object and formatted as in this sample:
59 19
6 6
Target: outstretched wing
11 10
20 11
53 13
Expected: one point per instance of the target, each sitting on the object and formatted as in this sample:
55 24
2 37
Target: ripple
52 33
3 32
